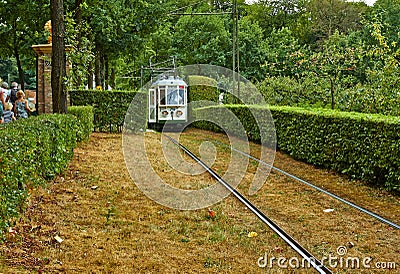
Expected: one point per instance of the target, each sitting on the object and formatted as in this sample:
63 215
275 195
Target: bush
202 89
109 106
84 114
364 146
32 151
287 91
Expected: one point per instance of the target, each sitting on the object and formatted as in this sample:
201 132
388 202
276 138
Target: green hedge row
109 106
85 117
364 146
34 150
202 89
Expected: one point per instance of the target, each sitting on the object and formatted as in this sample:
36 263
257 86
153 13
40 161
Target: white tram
167 102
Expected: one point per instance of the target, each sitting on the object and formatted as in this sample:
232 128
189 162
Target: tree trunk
112 79
58 60
97 69
78 19
106 73
20 70
90 76
17 57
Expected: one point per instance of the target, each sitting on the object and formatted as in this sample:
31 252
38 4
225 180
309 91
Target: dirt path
94 219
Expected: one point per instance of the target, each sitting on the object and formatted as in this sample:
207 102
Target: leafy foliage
21 26
202 89
359 145
109 107
201 39
84 115
33 151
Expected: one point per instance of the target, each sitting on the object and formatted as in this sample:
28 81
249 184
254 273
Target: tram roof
170 81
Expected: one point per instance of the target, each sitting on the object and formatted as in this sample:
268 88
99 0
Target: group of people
13 104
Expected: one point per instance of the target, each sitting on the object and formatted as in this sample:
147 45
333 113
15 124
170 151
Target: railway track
362 209
304 253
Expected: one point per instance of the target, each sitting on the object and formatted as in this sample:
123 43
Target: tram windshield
175 96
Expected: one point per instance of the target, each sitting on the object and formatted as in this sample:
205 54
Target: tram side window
162 95
152 105
182 96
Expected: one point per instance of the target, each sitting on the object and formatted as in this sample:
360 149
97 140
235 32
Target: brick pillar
44 94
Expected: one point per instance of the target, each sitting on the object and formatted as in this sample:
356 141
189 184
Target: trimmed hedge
85 117
364 146
34 150
202 88
109 106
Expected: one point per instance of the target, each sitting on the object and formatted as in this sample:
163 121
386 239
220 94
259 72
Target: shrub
202 89
287 91
84 115
364 146
32 151
109 106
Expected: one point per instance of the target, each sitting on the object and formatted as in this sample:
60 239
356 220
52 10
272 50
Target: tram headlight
179 113
164 113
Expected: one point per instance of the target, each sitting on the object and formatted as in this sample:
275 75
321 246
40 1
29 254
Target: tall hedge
363 146
84 115
109 106
32 151
202 88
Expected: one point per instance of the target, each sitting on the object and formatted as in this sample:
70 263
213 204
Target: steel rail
307 256
366 211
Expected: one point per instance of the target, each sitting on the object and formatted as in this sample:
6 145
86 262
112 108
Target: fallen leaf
35 227
211 213
252 234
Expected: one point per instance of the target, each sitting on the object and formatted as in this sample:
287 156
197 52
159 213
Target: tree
58 60
118 28
336 62
387 11
252 52
21 25
281 47
327 16
276 14
383 71
201 40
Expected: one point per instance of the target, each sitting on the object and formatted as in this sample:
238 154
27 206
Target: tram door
152 106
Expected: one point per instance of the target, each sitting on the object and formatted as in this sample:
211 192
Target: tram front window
174 97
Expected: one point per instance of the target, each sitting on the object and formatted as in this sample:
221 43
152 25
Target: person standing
2 100
13 92
6 94
8 114
21 106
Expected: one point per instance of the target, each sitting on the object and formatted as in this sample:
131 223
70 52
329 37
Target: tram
167 103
